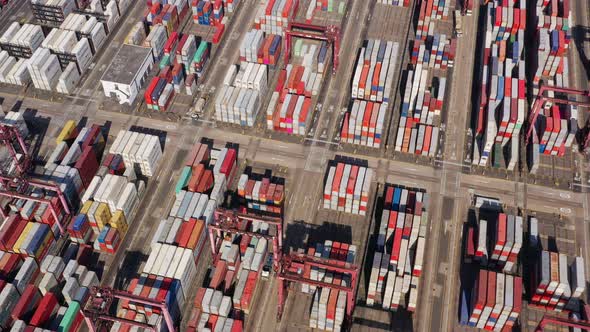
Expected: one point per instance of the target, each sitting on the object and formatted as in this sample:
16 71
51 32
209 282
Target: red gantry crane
232 222
291 269
330 34
582 324
97 315
17 186
541 99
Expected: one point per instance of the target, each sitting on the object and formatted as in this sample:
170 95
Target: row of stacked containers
245 88
328 306
178 242
347 185
399 248
556 127
227 295
502 108
180 57
425 83
491 286
494 284
109 203
46 275
55 59
372 84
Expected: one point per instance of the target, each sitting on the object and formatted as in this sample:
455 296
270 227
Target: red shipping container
10 227
203 156
249 290
219 275
238 326
25 307
212 321
196 176
206 182
9 265
183 236
194 319
46 309
199 297
218 33
228 164
190 159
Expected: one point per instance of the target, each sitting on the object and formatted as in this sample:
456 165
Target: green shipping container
184 178
69 317
200 51
497 155
165 62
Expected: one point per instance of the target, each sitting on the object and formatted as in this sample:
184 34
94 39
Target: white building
127 73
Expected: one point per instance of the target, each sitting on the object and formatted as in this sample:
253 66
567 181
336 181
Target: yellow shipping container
118 220
22 237
66 132
102 215
86 207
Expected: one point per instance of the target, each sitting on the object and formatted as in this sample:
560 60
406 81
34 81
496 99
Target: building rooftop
126 63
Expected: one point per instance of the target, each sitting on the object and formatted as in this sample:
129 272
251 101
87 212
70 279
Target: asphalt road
449 188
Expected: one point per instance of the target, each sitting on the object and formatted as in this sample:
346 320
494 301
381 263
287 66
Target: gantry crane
96 311
541 99
17 185
582 323
292 266
233 222
330 34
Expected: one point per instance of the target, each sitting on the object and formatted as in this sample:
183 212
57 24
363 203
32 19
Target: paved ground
305 164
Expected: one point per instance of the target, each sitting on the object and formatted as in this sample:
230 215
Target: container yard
399 245
552 147
57 59
371 90
432 55
271 174
497 138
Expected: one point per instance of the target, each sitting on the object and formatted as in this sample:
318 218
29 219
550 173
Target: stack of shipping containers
420 118
557 124
557 280
47 293
502 108
115 191
54 12
434 51
372 83
261 193
399 253
258 48
347 185
330 6
178 242
400 3
238 101
230 290
431 10
290 109
328 306
41 287
494 303
181 56
495 241
420 115
55 62
275 15
491 285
